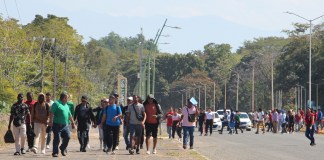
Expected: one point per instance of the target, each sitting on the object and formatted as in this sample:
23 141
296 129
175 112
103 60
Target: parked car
217 122
220 112
245 121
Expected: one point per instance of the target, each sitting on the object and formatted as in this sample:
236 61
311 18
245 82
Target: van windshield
220 112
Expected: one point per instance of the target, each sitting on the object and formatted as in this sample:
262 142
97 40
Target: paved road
249 146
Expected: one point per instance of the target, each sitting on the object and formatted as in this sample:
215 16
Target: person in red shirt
302 113
168 117
30 136
298 122
153 115
310 128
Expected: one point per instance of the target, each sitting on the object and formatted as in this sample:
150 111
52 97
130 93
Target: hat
112 96
105 100
130 98
84 97
151 96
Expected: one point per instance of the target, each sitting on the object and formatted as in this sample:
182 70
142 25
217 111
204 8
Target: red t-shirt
302 113
30 105
150 110
308 119
297 118
168 116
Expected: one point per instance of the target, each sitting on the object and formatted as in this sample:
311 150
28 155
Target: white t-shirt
176 117
210 115
260 116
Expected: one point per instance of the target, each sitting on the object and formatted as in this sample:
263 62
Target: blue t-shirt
112 111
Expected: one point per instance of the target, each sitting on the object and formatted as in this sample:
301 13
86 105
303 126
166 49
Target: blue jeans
309 133
126 135
60 131
188 131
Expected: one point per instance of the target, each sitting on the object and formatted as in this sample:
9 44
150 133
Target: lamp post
156 40
310 51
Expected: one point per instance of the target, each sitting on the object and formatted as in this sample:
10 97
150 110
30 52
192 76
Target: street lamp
310 50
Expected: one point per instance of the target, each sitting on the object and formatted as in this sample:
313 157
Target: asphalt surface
251 146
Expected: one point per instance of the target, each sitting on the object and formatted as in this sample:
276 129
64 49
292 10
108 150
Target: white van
221 113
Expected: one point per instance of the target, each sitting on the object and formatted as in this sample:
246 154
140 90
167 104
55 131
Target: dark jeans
112 135
223 125
201 127
309 133
60 131
83 136
188 132
237 126
283 130
142 137
49 137
176 129
209 124
270 126
30 138
126 135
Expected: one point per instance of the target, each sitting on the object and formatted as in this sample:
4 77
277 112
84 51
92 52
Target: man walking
310 128
99 112
201 121
209 121
225 122
18 113
126 125
153 114
49 101
237 122
275 119
260 121
112 118
59 120
30 127
84 116
136 117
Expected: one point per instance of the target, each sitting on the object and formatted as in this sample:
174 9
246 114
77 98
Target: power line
4 1
18 12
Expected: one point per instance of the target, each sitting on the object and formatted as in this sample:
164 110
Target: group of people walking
37 120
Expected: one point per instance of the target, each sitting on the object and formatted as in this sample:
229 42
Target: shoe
256 132
154 151
117 148
22 151
83 150
63 152
47 147
43 151
236 133
127 147
141 147
184 147
312 143
113 153
88 146
108 150
131 151
148 152
191 147
54 155
28 150
34 150
206 134
17 153
137 151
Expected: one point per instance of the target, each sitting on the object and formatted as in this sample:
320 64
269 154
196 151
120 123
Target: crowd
37 120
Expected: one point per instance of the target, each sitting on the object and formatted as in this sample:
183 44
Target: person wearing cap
83 115
60 117
188 118
154 114
112 119
103 103
126 125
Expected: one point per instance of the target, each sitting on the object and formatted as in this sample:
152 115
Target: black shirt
83 114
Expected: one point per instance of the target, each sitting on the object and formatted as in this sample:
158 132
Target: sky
201 22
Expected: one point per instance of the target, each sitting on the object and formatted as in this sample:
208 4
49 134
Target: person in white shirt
260 121
209 121
175 120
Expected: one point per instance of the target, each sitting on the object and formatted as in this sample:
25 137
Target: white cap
130 98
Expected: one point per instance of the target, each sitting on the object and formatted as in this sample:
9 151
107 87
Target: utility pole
199 96
205 97
225 94
252 105
65 72
54 71
237 89
42 70
214 97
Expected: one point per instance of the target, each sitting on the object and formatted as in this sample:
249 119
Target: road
250 146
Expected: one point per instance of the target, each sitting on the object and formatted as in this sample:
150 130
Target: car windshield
220 112
216 115
244 116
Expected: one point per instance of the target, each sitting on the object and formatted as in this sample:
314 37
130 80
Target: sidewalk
166 149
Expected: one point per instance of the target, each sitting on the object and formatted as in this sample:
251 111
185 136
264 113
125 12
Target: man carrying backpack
84 115
237 122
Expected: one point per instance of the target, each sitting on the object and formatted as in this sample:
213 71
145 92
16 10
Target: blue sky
202 22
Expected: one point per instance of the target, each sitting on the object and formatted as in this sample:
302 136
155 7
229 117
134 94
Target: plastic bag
9 138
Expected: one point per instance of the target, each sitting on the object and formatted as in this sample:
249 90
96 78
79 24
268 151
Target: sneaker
137 151
47 147
108 150
22 151
28 150
154 151
63 152
88 146
17 153
34 150
148 152
206 134
191 147
184 147
43 151
131 151
54 155
113 153
117 148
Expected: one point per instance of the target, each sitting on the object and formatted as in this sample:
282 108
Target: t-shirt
185 121
308 119
30 105
112 111
139 109
40 113
71 107
61 113
169 119
84 115
98 116
176 117
201 117
210 115
18 112
150 110
50 102
260 116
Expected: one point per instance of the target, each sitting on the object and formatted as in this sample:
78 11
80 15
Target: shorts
135 129
151 129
